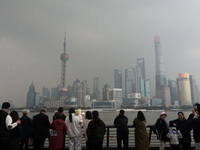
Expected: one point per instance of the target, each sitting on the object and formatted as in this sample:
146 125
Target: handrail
129 126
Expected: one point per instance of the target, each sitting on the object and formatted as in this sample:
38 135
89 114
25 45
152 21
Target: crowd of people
18 133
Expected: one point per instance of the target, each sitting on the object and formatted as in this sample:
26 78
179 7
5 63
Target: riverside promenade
110 139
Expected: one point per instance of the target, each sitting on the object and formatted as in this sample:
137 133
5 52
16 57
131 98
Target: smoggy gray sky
102 35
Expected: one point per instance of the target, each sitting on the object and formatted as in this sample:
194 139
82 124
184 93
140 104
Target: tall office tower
198 94
130 85
106 90
63 57
31 96
96 92
45 92
141 64
173 86
138 80
184 88
162 90
193 87
118 79
147 88
78 93
160 74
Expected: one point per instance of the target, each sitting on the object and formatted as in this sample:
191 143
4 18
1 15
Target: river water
109 116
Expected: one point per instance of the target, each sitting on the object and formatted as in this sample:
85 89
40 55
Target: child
174 136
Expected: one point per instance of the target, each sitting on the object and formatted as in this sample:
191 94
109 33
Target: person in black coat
40 129
180 124
121 122
27 125
95 132
163 128
15 134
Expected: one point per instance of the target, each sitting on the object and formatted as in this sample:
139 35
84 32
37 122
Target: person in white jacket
73 124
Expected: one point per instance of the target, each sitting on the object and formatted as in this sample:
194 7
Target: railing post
108 134
150 132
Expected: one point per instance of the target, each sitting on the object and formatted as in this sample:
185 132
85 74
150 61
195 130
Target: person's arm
9 123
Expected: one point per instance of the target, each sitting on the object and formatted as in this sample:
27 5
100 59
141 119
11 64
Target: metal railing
110 138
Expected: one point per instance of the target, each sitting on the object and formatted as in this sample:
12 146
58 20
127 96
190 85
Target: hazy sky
102 35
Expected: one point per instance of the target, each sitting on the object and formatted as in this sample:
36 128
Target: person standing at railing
121 122
73 124
95 132
180 124
141 135
40 129
163 128
88 118
58 127
27 126
6 125
194 123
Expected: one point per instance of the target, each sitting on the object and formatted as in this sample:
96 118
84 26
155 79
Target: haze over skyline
101 36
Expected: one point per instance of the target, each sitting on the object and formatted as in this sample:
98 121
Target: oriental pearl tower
63 57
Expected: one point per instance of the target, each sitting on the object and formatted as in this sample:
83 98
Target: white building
116 95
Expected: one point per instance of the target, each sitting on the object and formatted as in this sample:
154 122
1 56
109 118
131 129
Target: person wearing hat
40 129
163 127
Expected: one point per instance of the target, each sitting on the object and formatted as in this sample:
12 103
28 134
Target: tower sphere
64 57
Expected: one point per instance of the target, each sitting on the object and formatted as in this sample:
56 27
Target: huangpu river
109 116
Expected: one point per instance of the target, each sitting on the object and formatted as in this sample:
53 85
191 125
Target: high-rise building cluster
133 92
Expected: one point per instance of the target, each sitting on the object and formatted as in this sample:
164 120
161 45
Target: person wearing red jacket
58 127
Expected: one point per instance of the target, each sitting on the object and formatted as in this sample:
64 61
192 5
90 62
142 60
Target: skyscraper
96 92
63 57
118 79
173 86
130 86
105 92
184 88
141 64
194 91
160 73
31 96
162 90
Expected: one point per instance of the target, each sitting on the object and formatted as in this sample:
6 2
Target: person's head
121 112
60 109
5 106
174 131
180 115
163 115
58 115
25 112
140 116
78 111
198 109
43 110
71 111
95 114
88 115
14 115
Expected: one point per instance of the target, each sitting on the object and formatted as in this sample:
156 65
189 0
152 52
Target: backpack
156 132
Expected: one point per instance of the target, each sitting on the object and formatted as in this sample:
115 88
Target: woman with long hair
16 133
88 118
141 135
73 124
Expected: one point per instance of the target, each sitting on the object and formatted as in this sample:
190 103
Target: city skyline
101 36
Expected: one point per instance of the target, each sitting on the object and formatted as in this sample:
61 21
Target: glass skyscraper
130 86
118 79
160 74
31 96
